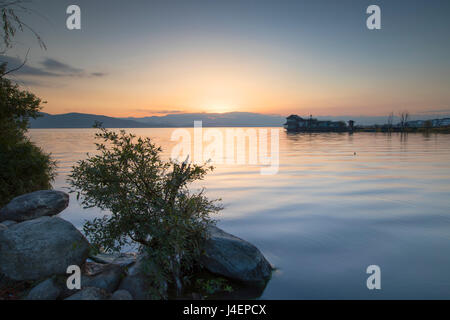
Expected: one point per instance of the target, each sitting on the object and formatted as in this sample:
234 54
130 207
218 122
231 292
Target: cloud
48 68
25 69
58 66
98 74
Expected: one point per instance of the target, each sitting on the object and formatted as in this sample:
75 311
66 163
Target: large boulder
46 290
39 248
90 293
234 258
34 205
142 280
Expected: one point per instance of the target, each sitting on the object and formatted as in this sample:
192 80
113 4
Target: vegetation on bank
150 203
24 167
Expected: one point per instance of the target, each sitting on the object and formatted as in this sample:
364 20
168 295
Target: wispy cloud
48 68
13 62
98 74
58 66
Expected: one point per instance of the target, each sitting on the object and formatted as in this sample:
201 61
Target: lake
338 204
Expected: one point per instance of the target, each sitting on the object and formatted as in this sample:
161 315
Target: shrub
149 200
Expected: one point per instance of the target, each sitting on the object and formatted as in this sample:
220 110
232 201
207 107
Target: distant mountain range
81 120
230 119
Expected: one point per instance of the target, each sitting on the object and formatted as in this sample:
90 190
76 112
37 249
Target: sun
219 108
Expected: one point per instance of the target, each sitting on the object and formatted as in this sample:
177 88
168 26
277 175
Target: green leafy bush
149 200
212 286
23 166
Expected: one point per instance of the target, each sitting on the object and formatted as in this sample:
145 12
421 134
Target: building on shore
434 123
295 123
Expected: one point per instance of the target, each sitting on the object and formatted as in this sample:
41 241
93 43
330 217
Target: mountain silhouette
231 119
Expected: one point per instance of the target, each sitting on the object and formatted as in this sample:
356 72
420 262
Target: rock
93 268
125 259
122 259
141 282
90 293
136 285
103 276
40 248
61 281
34 205
8 223
121 295
46 290
3 227
234 258
197 296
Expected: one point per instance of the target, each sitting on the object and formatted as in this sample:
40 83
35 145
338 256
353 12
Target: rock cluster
38 246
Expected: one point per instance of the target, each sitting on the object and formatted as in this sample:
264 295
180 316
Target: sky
143 58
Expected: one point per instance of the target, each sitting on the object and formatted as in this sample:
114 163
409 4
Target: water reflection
339 203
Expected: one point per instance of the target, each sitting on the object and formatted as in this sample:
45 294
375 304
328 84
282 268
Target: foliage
23 166
149 200
11 22
211 286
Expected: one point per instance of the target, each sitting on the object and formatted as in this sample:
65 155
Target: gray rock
46 290
125 259
93 268
234 258
121 295
103 276
104 258
34 205
137 286
9 223
3 227
90 293
122 259
61 281
40 248
141 282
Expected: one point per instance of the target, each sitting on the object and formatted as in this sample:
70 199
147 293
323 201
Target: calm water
328 213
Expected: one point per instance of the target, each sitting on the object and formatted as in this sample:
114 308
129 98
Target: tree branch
17 68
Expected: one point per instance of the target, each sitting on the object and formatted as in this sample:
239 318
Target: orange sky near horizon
218 83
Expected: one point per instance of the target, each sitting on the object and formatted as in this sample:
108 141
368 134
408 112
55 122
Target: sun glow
219 108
